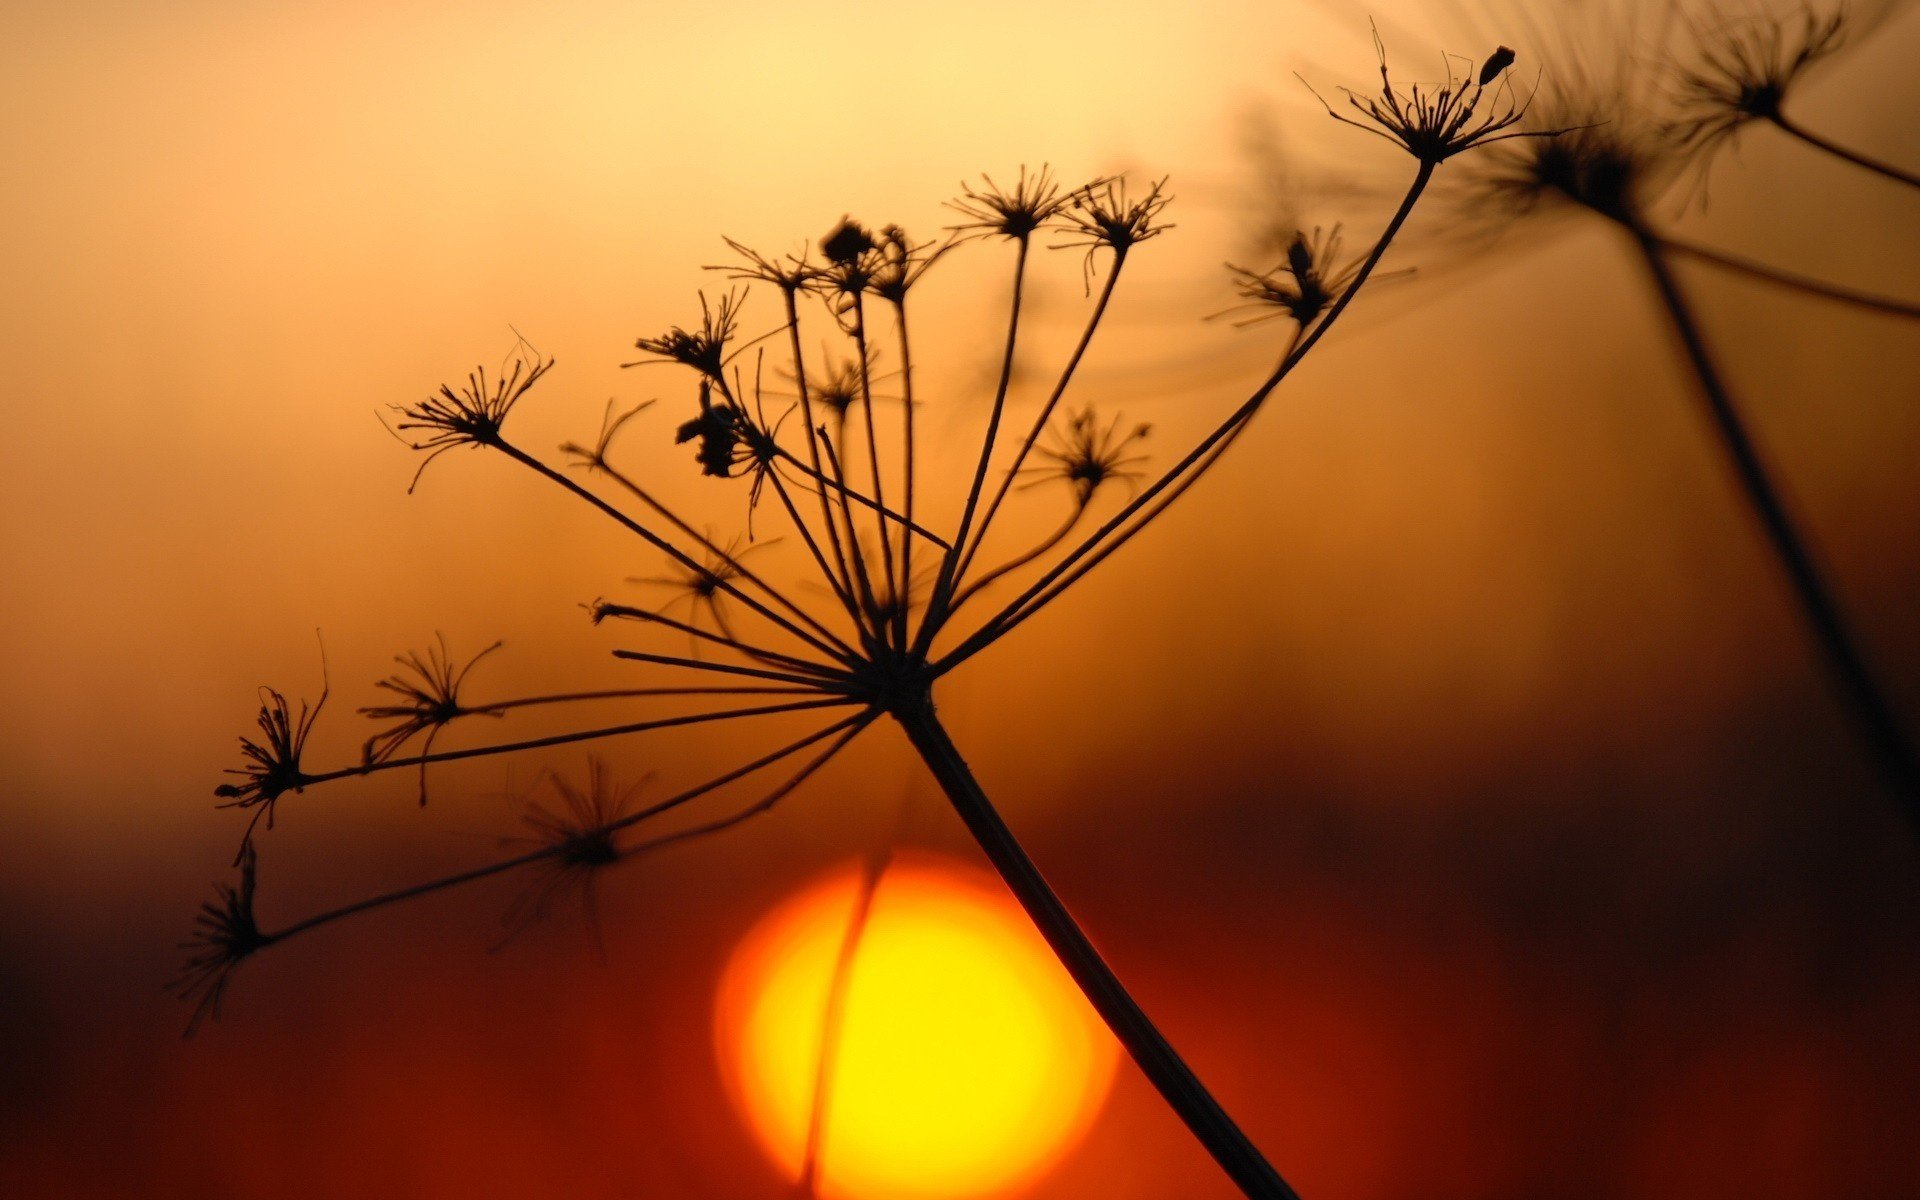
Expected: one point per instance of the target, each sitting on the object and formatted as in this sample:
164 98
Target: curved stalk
1177 1084
1834 148
1789 280
1046 410
1873 714
1304 342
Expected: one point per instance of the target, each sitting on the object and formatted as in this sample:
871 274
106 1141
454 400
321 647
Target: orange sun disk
967 1061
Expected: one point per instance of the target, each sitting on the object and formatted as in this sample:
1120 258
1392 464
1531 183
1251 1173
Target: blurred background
1449 773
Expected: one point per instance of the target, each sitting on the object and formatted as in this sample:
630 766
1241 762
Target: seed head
703 588
1436 122
1308 281
428 686
1087 455
225 934
272 766
1743 70
847 242
704 350
580 836
790 274
902 263
1102 216
1608 168
1014 213
471 414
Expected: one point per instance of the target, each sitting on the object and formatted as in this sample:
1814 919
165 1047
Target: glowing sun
966 1062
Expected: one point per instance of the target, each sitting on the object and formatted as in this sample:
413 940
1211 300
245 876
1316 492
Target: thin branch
519 860
635 693
852 726
906 542
562 739
771 657
1877 166
732 562
1874 717
674 552
1750 269
696 664
1047 543
949 563
1046 410
833 1018
992 629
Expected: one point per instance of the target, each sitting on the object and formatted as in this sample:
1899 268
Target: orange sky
1473 598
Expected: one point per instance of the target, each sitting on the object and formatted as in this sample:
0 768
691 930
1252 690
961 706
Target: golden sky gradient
1449 770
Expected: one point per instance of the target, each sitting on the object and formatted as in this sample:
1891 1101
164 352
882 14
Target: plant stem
1791 281
1157 1059
1873 715
1858 159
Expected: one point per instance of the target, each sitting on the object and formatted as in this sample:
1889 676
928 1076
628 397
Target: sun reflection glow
967 1062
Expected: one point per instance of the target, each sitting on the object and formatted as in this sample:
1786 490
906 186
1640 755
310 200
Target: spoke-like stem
1012 618
814 436
852 727
852 723
949 562
1046 410
772 658
1763 273
1164 1068
562 739
1047 543
1873 714
670 550
990 631
812 543
847 492
720 668
862 579
502 706
1877 166
873 450
908 467
731 561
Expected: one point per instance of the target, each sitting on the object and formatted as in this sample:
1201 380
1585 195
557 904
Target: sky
1450 772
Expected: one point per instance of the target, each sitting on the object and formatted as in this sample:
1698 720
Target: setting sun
967 1063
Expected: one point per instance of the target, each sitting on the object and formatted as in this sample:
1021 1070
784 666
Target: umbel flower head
895 603
272 767
1101 216
1015 213
704 349
428 687
578 838
225 934
1614 168
1087 455
1306 282
472 413
1434 122
702 588
1742 68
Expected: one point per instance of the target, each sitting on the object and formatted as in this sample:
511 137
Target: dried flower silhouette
225 935
1744 67
1613 159
577 840
900 605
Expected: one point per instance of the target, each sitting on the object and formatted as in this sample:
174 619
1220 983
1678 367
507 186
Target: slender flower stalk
1612 171
1744 67
895 625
